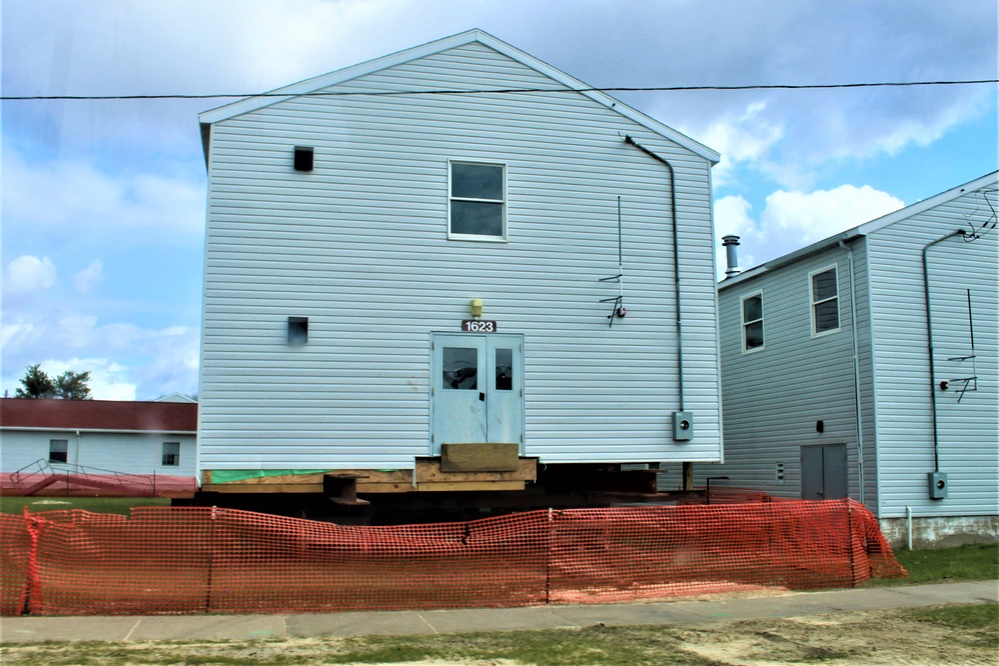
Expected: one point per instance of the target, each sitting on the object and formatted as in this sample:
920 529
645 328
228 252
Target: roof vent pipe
730 243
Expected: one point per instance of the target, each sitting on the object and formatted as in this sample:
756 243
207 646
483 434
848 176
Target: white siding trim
812 302
762 320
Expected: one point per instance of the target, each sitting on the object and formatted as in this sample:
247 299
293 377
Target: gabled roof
471 36
101 415
863 229
175 397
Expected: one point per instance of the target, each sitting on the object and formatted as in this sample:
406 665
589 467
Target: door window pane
504 369
460 368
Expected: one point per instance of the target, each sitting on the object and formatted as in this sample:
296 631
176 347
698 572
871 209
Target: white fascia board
864 229
926 204
333 78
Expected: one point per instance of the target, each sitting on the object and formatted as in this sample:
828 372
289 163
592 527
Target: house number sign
478 326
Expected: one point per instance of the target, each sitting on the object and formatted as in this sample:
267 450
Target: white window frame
742 318
163 459
65 446
812 302
476 237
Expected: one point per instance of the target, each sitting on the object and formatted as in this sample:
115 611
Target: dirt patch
878 638
873 638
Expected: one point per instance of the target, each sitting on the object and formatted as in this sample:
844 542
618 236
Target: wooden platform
428 476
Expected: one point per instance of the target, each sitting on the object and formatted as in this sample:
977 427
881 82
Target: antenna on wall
618 310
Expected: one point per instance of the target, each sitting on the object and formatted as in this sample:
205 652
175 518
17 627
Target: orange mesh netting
208 560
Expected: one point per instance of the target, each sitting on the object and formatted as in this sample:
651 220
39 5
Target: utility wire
813 86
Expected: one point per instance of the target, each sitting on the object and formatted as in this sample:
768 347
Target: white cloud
744 137
793 219
29 275
125 361
73 199
812 216
88 278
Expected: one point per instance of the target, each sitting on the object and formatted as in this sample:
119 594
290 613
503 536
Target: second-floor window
477 202
752 322
825 301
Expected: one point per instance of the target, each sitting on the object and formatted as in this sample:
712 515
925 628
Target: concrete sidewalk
248 627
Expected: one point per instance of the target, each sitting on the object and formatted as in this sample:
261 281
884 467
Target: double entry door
823 472
477 392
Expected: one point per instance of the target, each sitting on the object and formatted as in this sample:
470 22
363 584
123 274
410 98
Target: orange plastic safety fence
205 560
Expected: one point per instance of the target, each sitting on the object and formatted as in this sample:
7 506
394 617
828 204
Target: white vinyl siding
773 401
968 425
129 453
359 245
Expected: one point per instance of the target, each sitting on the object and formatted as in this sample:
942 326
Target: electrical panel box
938 485
683 426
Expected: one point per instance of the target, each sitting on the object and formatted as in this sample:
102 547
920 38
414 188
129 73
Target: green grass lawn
120 505
945 565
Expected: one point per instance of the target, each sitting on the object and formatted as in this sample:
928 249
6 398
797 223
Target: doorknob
482 396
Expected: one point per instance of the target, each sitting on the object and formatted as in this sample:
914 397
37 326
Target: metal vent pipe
731 244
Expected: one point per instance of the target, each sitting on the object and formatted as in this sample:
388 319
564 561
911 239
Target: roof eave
861 230
207 118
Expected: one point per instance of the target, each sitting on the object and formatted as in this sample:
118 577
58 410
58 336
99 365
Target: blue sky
103 202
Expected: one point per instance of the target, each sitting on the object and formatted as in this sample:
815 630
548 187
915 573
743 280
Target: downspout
856 371
929 338
79 450
676 259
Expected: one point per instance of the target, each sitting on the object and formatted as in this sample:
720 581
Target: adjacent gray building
457 243
841 379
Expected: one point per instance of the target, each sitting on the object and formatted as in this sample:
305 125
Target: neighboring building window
477 201
825 301
171 454
752 322
59 450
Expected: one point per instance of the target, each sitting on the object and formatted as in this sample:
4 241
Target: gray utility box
683 426
938 485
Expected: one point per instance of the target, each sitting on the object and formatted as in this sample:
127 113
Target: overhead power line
386 93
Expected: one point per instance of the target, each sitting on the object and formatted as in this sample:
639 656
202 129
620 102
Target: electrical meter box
683 426
938 485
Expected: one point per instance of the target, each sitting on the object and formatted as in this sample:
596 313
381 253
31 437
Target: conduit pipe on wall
856 371
929 340
676 259
908 527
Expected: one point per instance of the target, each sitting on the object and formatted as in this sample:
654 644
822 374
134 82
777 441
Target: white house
98 439
864 365
453 244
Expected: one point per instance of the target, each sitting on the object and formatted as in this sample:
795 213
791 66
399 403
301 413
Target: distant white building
392 270
98 437
176 397
841 379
